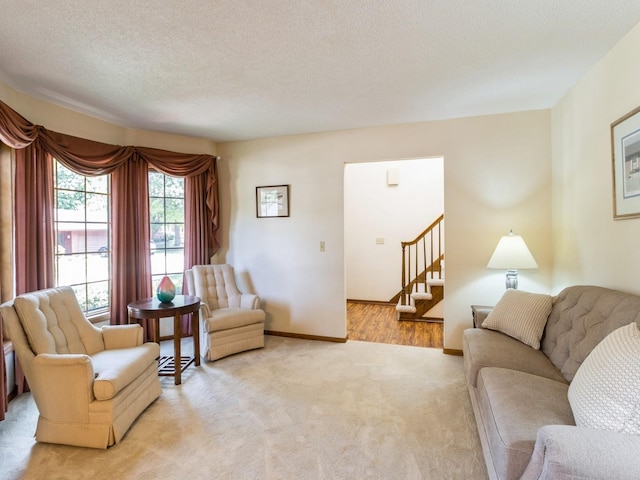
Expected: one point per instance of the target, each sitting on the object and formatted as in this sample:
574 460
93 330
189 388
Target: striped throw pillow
521 315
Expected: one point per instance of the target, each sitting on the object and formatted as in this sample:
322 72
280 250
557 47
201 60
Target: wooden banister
422 260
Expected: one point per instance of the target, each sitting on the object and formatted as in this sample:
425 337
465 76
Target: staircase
422 275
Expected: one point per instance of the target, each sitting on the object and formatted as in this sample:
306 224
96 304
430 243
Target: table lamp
512 254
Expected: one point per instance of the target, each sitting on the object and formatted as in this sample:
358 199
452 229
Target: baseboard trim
12 394
170 337
305 337
452 351
424 319
374 302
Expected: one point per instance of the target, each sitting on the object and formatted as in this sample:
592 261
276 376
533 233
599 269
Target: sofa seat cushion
115 369
225 318
514 406
488 348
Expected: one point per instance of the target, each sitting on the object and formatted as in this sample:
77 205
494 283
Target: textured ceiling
242 69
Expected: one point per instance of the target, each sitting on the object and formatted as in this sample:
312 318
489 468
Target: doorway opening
386 203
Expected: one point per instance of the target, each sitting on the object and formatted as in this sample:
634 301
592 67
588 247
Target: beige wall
66 121
63 120
497 176
589 246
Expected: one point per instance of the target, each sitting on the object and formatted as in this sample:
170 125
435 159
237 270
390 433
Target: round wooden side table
152 308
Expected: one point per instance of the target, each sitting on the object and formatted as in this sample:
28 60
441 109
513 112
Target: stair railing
422 259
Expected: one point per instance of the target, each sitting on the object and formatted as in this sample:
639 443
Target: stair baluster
425 270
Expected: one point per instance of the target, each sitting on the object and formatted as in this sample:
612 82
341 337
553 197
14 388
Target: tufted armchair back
54 323
216 286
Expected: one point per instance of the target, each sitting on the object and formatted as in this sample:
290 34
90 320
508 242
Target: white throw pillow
605 393
521 315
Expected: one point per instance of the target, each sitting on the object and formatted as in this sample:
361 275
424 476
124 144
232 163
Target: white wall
497 177
394 213
589 246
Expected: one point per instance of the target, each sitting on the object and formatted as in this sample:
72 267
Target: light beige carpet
296 409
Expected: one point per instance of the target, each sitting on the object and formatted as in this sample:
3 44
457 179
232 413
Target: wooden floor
377 323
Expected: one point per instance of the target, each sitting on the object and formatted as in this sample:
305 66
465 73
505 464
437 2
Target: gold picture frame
625 164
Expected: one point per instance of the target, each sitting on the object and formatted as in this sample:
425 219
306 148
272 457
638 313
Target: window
166 210
82 229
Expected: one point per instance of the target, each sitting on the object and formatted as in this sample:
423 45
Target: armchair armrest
205 312
122 336
569 452
249 300
66 383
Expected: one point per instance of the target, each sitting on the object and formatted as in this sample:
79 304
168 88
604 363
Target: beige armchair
232 321
89 384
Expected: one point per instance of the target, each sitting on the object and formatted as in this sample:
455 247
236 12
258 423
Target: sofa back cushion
581 317
54 323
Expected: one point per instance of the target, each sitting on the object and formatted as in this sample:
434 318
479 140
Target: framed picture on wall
625 152
272 201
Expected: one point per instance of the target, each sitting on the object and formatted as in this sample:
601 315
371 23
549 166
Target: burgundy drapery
131 274
201 207
128 166
33 220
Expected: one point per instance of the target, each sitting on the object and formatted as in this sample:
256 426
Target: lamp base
512 279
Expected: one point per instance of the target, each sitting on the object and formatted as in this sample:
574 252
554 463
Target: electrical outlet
322 245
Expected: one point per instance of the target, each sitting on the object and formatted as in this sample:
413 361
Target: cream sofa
522 398
89 384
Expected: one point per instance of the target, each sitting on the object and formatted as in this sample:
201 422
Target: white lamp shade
512 254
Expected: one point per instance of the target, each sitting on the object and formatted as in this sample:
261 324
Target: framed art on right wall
625 153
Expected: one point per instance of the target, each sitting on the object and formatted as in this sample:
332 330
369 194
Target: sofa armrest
479 313
569 452
249 300
64 383
122 336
